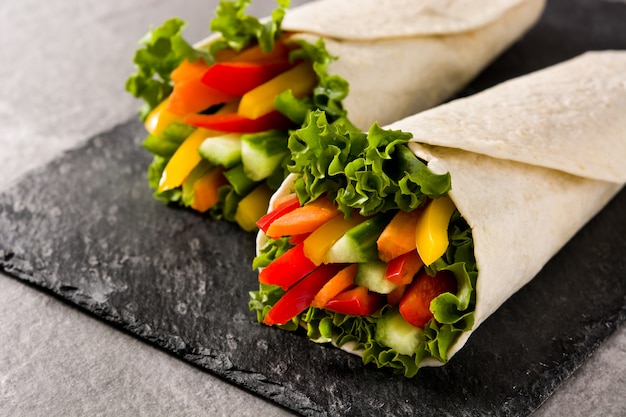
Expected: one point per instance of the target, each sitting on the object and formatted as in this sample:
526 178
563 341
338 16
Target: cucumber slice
262 153
239 181
222 150
394 331
358 245
371 275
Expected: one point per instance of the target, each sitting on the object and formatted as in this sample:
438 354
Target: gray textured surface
58 89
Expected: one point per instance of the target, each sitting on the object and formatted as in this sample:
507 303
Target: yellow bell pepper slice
431 231
252 207
300 79
160 118
318 243
184 160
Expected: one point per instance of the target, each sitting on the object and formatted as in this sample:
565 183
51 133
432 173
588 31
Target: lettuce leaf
240 30
164 48
163 147
271 250
171 138
155 171
329 93
373 172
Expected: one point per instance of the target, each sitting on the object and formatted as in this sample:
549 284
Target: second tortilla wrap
531 161
392 60
414 53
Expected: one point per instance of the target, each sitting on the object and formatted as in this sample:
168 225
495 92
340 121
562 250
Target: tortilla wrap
413 53
531 161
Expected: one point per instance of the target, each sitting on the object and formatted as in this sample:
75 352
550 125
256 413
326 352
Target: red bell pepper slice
402 269
192 96
415 303
287 269
283 208
299 297
356 302
234 123
237 78
297 239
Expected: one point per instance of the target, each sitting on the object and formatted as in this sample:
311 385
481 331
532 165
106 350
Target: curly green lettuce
164 48
240 30
370 172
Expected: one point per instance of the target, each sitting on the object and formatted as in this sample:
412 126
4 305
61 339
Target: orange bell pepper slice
394 297
285 205
343 280
188 70
397 238
304 219
205 189
192 96
255 53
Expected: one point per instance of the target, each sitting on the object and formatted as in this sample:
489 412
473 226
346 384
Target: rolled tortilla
531 161
557 137
398 58
413 53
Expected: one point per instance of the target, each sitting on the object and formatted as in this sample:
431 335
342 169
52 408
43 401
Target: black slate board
85 228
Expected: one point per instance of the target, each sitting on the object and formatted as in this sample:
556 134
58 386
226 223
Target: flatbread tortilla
568 117
370 20
531 161
403 56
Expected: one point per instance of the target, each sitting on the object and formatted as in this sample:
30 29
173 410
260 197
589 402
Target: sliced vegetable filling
231 104
366 241
394 278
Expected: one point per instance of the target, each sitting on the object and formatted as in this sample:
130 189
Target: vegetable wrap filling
218 115
363 248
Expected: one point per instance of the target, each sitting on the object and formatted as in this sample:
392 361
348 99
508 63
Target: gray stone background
62 69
